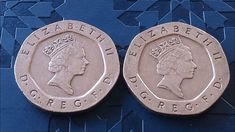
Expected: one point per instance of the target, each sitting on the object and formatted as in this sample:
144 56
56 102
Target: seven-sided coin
67 66
175 68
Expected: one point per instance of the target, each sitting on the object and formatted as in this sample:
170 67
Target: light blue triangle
9 13
10 4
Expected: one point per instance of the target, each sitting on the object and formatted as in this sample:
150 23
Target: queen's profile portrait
174 63
67 60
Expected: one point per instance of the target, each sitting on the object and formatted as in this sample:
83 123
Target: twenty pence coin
175 68
67 66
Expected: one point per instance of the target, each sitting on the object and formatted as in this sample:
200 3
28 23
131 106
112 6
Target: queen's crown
165 47
58 45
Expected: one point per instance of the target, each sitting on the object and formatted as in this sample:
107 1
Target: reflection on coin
175 68
67 66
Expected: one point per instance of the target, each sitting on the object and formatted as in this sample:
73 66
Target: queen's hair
59 52
59 61
168 53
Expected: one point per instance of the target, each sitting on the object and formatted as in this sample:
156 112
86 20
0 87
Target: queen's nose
194 65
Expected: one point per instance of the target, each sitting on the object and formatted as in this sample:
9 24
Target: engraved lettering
176 28
151 33
26 52
36 37
24 79
205 98
188 30
63 105
174 107
207 42
189 106
45 31
144 94
77 103
31 44
217 56
107 80
109 51
50 102
100 38
92 30
163 30
161 104
94 94
57 27
133 53
143 39
198 34
70 25
33 93
217 85
137 45
133 79
82 27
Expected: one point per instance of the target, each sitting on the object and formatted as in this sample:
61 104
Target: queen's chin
190 75
82 71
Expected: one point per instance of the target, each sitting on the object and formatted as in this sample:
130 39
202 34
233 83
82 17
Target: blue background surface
122 20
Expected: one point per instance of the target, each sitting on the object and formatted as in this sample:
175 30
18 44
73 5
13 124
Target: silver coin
67 66
175 68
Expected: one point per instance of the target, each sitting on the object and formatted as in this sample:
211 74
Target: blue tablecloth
122 20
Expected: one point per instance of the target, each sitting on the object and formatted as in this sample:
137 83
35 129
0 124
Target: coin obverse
67 66
175 68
